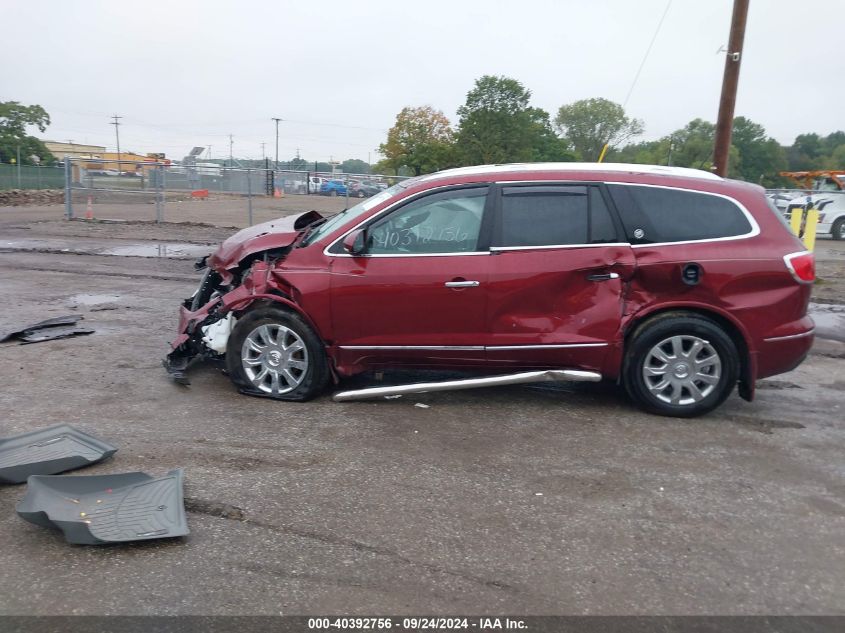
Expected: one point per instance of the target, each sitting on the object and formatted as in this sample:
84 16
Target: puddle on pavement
174 250
93 300
829 320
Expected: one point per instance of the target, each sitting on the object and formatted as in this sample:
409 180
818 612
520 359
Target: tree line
498 124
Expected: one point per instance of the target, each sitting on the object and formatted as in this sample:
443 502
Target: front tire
275 353
838 229
681 365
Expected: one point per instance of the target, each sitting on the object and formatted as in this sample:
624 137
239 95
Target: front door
556 277
417 294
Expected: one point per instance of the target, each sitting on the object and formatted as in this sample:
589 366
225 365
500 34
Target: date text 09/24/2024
416 623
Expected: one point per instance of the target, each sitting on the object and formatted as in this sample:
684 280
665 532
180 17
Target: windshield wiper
308 230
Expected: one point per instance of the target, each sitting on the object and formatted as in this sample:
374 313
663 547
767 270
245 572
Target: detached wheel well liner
746 380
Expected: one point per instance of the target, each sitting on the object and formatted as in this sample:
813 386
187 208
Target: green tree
421 139
355 166
15 118
760 156
690 146
590 123
497 125
811 151
298 164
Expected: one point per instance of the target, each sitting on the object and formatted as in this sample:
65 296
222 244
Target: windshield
352 213
825 184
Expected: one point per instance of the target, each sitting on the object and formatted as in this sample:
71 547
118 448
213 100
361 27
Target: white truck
825 190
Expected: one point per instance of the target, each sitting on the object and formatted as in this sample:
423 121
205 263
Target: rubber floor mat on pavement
107 508
55 449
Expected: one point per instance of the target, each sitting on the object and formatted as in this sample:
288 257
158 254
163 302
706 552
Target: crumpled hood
278 233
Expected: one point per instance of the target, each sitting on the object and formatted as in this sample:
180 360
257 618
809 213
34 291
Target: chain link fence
164 192
31 177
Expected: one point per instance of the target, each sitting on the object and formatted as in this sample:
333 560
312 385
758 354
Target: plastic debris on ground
51 329
104 509
49 451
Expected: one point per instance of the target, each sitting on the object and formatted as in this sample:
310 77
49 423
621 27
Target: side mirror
354 243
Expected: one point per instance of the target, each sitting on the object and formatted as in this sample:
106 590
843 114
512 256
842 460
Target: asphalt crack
381 551
219 509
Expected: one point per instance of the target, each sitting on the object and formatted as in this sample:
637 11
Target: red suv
673 282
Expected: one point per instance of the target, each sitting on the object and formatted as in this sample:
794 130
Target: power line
645 57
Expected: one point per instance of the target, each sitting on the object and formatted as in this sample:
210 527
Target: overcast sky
187 73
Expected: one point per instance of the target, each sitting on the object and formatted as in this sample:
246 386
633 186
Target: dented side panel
746 287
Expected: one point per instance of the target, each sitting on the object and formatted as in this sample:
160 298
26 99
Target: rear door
557 271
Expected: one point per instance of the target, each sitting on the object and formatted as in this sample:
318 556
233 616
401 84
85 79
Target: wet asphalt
546 499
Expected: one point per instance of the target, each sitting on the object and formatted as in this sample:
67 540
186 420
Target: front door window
447 222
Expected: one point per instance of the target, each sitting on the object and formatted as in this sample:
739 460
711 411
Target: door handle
462 284
603 277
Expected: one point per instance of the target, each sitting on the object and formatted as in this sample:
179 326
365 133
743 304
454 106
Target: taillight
802 266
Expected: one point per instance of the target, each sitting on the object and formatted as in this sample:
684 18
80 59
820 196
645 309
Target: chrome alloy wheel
682 370
274 359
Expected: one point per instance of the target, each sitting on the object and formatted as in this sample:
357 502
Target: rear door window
662 214
552 215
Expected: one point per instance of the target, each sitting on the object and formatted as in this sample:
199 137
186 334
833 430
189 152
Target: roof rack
632 168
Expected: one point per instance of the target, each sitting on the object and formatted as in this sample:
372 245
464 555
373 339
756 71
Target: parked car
333 188
315 184
674 283
363 189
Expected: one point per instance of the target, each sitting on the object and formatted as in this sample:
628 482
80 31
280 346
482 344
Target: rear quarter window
661 214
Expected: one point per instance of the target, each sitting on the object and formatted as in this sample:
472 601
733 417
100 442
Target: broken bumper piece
49 330
49 451
107 508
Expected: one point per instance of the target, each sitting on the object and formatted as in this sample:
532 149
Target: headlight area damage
239 273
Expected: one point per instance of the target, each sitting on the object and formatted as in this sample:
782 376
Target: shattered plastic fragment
68 320
51 334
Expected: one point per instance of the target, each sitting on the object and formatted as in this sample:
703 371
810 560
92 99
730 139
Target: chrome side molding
550 375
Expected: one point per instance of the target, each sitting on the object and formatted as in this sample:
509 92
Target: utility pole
116 125
263 153
730 81
231 158
276 119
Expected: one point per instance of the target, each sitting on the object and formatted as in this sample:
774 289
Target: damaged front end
237 274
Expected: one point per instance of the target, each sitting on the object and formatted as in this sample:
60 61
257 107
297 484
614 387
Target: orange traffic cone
89 211
277 193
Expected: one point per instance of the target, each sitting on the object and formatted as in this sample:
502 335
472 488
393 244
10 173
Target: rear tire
681 365
275 353
838 229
